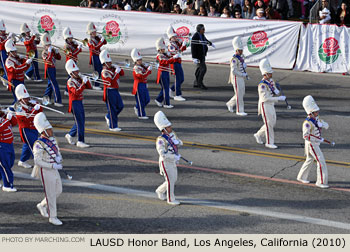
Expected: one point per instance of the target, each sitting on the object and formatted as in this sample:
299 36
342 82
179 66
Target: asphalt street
234 185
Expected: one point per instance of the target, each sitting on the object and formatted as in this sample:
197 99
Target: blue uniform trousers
7 159
52 85
142 99
34 68
15 83
164 92
3 57
79 118
97 67
114 105
179 79
30 136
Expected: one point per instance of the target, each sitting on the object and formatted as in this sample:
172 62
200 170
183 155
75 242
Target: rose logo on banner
329 51
111 32
258 42
183 33
46 24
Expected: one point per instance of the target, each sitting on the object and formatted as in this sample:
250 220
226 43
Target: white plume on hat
265 66
71 66
41 123
24 28
21 92
135 54
310 105
2 25
171 32
161 121
10 46
46 39
160 44
90 28
104 57
67 33
237 43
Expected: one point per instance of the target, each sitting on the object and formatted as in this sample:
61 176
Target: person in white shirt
260 14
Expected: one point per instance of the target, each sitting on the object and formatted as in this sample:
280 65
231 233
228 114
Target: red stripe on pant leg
47 200
267 127
167 180
237 100
318 161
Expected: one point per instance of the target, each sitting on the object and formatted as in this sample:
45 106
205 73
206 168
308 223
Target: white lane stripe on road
205 203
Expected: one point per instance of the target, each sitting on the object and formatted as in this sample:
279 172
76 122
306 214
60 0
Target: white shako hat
135 54
310 105
161 121
67 33
237 43
10 46
160 44
90 28
71 66
265 66
2 25
24 28
104 57
46 39
170 32
41 123
21 92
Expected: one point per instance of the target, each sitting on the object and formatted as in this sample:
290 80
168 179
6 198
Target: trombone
94 76
108 35
44 101
84 41
31 55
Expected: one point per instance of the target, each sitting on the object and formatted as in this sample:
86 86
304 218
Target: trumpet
94 76
108 35
83 41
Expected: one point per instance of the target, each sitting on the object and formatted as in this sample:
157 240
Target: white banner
276 40
323 48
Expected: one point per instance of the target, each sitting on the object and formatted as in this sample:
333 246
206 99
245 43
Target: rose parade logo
45 20
113 30
329 51
184 34
258 42
46 24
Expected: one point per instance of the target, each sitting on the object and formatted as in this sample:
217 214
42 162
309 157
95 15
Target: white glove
58 159
176 56
80 46
9 116
29 61
102 39
212 45
10 35
184 43
37 107
56 51
177 157
282 98
244 65
325 125
319 124
49 49
57 166
322 139
149 68
117 69
277 91
176 142
196 61
244 74
85 79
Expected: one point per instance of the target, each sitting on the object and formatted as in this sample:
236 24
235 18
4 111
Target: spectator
212 12
177 9
189 9
226 13
136 4
127 7
219 5
303 4
272 14
343 15
326 14
260 4
151 6
198 4
162 7
202 11
238 14
260 14
248 10
281 6
182 4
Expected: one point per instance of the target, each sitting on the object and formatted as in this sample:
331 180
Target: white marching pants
313 152
268 114
52 184
170 175
237 100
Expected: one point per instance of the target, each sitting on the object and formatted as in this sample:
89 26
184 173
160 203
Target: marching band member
237 75
31 42
114 102
312 127
176 47
95 43
26 126
7 152
76 85
267 98
167 146
140 74
163 77
48 160
15 67
3 54
50 55
71 47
